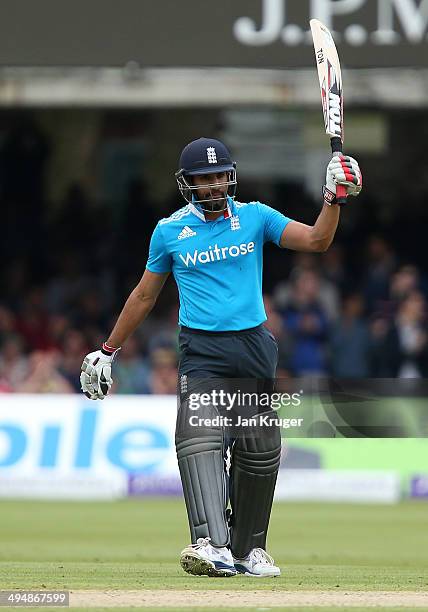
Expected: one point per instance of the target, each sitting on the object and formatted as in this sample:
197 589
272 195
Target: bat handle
336 149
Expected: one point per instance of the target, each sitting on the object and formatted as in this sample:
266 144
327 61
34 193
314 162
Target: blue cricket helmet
206 156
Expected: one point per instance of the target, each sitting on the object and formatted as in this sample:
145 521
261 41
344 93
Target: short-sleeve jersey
217 265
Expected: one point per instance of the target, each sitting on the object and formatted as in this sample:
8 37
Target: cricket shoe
257 564
203 559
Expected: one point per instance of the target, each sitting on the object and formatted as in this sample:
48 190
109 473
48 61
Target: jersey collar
227 213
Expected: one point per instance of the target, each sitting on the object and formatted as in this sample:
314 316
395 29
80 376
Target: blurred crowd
326 323
329 322
358 310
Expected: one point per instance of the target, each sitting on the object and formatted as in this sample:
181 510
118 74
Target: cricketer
214 248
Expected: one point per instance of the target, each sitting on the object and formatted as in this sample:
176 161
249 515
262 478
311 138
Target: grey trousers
206 360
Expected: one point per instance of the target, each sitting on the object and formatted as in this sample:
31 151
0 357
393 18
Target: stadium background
96 103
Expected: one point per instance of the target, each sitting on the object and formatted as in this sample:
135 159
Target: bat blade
330 80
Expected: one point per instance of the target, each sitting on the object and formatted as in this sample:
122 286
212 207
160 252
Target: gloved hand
342 170
95 377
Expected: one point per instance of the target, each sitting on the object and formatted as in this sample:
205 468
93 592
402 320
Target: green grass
135 545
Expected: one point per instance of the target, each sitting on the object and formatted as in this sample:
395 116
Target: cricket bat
330 78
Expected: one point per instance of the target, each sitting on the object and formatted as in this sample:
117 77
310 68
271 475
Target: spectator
70 282
409 338
44 376
327 291
131 372
160 331
74 348
32 321
163 377
380 265
306 321
13 362
379 361
403 282
400 349
58 325
275 324
350 341
335 272
90 312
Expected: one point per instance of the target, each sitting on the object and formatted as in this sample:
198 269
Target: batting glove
95 376
342 170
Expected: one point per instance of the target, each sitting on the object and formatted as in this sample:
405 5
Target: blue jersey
217 265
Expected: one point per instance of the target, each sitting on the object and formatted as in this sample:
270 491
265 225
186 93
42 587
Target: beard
216 205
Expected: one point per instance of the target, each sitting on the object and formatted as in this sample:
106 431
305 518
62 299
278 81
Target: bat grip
336 149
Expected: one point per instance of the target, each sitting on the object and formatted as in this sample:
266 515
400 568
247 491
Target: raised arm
312 238
342 170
